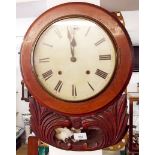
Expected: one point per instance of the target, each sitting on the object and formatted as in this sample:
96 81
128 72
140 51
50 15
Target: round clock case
76 58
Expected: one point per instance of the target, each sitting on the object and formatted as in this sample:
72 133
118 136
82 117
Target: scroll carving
103 129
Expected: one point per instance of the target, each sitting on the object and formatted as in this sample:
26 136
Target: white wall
131 19
132 86
55 2
123 5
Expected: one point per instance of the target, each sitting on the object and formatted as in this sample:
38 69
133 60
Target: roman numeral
47 74
105 57
44 60
101 73
74 92
90 86
46 44
87 31
100 41
58 33
58 86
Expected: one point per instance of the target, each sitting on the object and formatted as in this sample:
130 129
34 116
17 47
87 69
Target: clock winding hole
87 72
59 72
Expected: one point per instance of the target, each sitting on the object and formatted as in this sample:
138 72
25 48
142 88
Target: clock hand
72 44
69 35
73 58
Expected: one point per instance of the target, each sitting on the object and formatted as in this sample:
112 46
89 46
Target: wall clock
76 61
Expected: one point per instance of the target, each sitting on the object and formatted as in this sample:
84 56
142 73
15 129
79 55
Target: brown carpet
22 150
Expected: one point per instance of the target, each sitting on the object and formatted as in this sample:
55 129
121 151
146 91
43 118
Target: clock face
74 59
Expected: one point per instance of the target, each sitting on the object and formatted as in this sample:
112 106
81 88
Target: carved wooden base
103 129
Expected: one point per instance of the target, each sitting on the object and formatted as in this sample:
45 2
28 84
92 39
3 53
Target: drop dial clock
74 59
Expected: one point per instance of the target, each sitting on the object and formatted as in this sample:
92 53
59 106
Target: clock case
103 117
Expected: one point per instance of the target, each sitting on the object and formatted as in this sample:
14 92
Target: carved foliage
103 129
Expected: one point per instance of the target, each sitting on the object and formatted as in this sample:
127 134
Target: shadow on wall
123 5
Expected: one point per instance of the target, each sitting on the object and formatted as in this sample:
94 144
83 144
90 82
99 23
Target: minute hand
69 35
71 38
72 44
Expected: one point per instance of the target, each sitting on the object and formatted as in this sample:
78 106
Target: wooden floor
22 150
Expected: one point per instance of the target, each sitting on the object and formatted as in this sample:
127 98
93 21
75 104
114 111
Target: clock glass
74 59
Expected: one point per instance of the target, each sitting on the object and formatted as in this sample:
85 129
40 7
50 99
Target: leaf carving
104 128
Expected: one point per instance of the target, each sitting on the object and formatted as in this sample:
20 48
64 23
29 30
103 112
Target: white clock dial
74 59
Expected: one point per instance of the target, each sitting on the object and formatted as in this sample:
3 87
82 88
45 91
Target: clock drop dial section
74 59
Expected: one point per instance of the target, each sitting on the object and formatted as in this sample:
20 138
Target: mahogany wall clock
76 61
